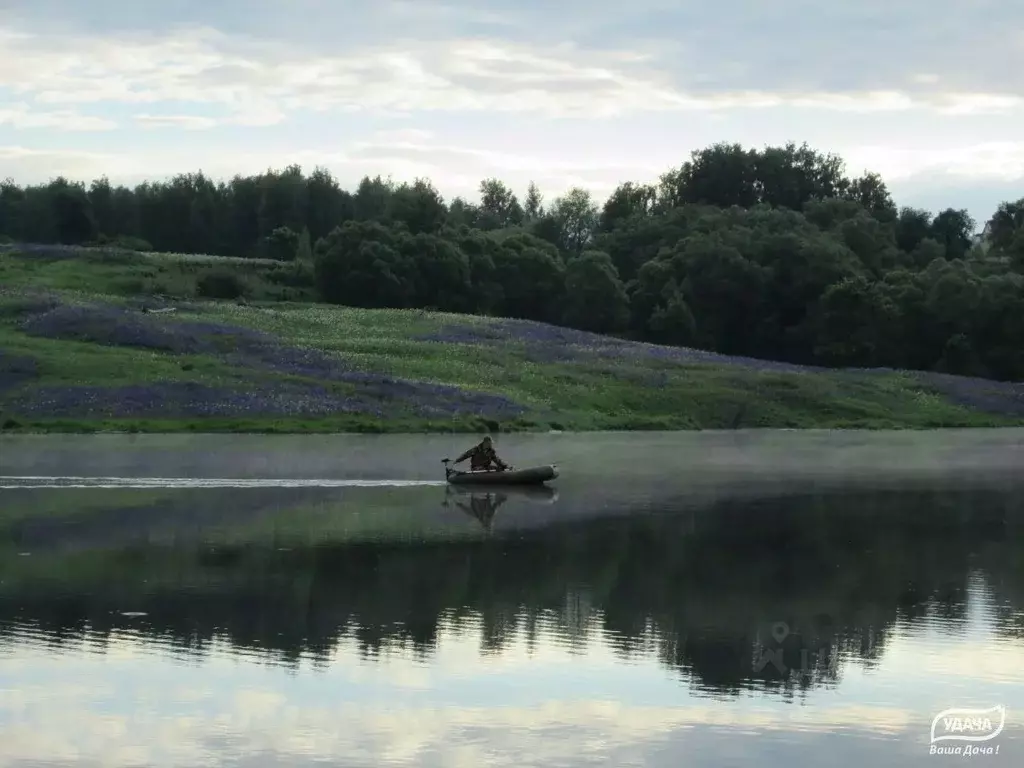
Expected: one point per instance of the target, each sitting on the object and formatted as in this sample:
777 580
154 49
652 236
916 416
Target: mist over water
39 482
705 599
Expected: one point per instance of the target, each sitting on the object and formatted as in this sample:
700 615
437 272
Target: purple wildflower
187 399
240 347
16 370
109 326
999 397
58 252
544 343
422 397
113 326
25 305
54 252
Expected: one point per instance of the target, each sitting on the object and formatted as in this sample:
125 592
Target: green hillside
78 352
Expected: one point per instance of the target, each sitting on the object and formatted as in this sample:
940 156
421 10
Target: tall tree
595 298
499 207
577 216
954 230
533 205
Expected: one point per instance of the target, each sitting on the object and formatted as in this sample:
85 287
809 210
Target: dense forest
772 253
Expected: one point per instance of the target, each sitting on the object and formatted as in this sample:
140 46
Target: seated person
482 456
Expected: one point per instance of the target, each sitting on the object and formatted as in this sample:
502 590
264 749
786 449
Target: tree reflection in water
703 590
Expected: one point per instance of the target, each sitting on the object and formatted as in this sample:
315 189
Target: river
707 599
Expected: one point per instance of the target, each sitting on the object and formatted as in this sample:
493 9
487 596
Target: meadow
97 340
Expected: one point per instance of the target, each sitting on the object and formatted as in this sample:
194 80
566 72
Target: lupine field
78 352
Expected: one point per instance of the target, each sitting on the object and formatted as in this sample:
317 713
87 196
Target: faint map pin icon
780 631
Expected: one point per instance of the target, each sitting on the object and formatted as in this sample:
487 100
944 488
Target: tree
1006 223
533 205
721 175
243 202
801 266
101 200
576 215
829 213
359 264
204 227
954 230
927 251
499 207
481 250
532 282
871 242
282 244
595 298
72 212
443 277
770 253
912 226
462 213
792 176
713 275
1015 252
628 201
871 193
282 200
327 204
659 306
372 199
419 206
853 322
12 202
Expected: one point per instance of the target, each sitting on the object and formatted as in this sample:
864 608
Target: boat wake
7 481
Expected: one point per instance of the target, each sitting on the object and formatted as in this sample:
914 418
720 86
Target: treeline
772 253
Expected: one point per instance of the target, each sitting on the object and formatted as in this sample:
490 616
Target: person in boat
482 456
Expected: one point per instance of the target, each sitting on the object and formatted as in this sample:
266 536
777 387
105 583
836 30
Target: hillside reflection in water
276 633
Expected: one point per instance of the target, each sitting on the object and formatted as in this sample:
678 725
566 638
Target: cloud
137 703
999 161
24 116
203 122
186 122
806 46
792 46
27 165
202 66
255 78
265 721
581 93
453 170
406 154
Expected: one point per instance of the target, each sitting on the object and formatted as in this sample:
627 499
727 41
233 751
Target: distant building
983 239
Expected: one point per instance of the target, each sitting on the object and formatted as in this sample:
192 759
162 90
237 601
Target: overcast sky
573 92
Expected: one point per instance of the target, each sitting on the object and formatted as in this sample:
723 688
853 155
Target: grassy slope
143 274
585 394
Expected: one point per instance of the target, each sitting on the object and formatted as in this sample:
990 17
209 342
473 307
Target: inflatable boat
527 476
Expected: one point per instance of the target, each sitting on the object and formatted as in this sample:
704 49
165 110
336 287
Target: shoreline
429 430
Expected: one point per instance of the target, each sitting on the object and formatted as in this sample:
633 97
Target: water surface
701 599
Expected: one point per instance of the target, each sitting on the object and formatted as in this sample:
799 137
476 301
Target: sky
586 93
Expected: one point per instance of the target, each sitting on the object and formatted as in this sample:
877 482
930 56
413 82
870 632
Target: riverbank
105 358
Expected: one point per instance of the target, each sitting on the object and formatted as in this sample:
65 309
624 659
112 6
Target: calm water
779 598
